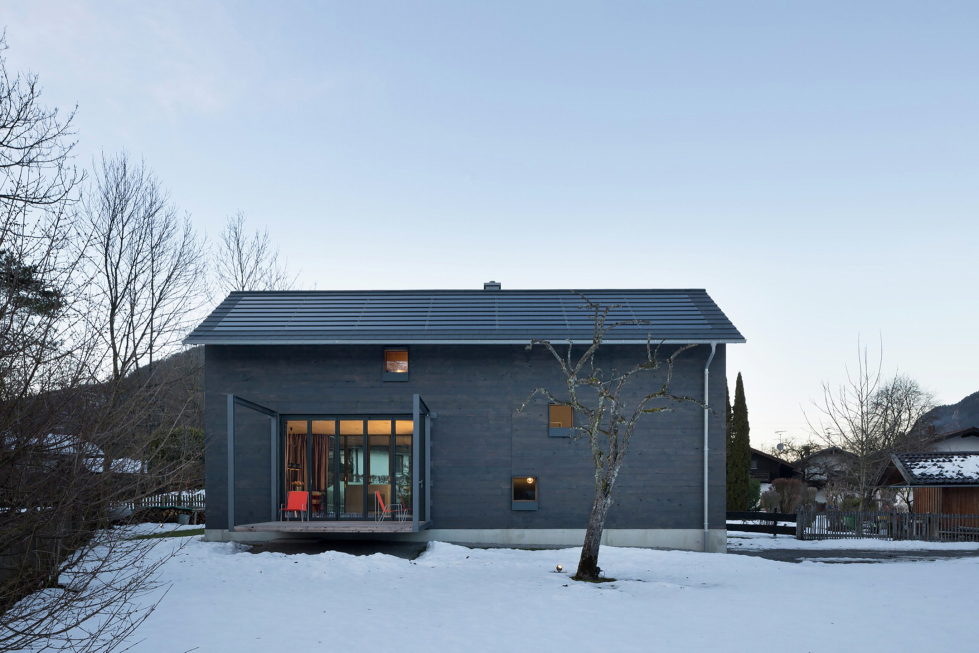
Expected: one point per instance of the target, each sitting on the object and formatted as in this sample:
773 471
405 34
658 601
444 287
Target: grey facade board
478 438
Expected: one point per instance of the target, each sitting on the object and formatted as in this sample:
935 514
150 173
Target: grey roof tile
460 316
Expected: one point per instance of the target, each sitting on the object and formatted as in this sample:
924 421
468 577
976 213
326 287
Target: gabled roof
938 469
761 454
401 317
827 452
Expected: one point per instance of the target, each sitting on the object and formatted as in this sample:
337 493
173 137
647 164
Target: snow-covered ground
222 598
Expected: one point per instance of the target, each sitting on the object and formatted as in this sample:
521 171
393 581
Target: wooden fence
193 501
839 524
761 522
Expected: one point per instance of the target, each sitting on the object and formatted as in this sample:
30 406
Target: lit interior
524 488
560 416
396 361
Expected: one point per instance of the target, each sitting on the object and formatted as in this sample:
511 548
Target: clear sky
814 166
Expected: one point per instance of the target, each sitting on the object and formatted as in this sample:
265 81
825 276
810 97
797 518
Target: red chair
381 510
297 503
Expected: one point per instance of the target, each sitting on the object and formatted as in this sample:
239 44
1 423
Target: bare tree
67 581
148 265
36 144
799 454
610 409
870 417
38 258
248 261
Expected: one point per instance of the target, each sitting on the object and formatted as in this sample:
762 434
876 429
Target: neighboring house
964 440
385 405
825 467
766 468
941 482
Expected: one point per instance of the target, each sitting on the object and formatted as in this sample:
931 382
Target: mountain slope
954 417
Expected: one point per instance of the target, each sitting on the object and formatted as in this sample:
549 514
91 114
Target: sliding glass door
322 469
353 468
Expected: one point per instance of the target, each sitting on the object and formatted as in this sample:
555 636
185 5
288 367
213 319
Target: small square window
395 364
560 419
524 493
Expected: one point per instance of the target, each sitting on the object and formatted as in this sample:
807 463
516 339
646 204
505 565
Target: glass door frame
334 453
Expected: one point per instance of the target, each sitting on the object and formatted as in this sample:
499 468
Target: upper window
560 419
395 364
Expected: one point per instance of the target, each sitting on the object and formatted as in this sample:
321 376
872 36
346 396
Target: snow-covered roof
65 444
942 468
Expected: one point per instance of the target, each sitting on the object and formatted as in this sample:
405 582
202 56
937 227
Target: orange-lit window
395 361
560 415
560 419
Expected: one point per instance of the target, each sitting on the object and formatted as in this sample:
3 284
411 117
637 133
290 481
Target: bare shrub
770 500
789 491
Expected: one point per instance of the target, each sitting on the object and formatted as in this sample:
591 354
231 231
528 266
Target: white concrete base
651 538
224 535
688 539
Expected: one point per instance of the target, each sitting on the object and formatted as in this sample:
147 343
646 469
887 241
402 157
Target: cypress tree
738 453
728 448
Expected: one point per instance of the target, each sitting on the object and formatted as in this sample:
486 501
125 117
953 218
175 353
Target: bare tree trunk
588 568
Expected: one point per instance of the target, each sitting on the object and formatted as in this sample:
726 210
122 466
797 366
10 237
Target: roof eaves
204 339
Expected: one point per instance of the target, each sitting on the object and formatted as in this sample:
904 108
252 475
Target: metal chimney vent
492 285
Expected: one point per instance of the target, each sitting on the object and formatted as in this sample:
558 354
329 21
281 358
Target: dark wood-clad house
397 414
766 467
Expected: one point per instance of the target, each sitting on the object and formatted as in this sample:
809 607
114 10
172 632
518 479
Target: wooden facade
947 500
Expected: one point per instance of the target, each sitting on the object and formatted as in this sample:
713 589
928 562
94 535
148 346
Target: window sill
559 431
523 505
394 376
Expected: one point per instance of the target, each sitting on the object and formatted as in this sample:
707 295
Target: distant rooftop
488 316
918 469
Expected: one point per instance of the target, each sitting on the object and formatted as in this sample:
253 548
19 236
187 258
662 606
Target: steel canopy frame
233 403
420 454
421 447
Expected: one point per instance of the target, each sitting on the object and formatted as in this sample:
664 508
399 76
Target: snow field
452 598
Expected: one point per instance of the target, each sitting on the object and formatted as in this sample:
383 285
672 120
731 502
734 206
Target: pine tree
738 453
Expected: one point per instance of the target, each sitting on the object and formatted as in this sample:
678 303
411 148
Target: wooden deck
329 527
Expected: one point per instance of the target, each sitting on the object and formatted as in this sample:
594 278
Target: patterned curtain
321 462
296 461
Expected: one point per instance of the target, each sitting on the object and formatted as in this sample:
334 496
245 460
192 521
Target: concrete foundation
657 538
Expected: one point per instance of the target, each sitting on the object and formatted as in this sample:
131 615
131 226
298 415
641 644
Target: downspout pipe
713 350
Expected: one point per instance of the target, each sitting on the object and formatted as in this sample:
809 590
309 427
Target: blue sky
815 166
